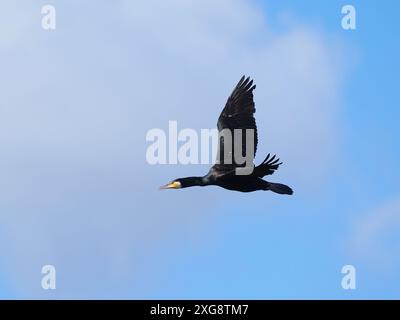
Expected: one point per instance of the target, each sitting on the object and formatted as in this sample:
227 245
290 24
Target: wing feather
238 113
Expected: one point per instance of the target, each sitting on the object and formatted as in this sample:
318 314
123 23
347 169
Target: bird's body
237 115
243 183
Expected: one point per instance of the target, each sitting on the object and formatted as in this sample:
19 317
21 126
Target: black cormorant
238 114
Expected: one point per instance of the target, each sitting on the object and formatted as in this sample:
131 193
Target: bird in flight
238 114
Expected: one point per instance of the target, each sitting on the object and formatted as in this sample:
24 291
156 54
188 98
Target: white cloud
76 191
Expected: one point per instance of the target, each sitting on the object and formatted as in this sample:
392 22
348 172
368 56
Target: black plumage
237 115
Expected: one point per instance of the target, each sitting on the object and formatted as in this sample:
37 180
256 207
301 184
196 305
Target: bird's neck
193 181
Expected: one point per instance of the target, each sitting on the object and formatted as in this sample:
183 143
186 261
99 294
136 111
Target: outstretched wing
267 167
238 114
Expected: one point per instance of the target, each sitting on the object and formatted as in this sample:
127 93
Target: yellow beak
172 185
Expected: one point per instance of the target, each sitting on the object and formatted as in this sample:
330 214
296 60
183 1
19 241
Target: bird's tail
280 188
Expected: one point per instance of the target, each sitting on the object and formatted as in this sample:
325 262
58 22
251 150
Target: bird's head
184 183
175 184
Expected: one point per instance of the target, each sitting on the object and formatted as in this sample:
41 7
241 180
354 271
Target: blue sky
77 191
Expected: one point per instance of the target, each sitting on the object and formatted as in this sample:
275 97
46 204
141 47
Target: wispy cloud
375 238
